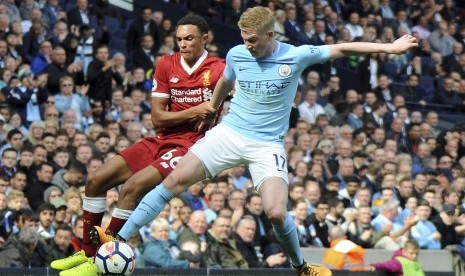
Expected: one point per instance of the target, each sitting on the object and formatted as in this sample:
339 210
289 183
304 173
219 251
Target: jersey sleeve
228 72
309 54
160 86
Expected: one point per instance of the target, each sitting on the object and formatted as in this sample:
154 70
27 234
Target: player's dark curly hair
196 20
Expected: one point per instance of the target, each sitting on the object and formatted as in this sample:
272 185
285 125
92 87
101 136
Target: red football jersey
185 87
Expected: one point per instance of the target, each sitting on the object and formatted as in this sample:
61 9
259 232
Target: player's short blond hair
257 20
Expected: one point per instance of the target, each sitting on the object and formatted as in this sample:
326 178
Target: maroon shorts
162 154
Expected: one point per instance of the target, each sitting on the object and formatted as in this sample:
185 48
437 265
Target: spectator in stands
441 41
71 177
46 213
101 73
378 110
365 235
309 109
32 39
293 29
353 26
18 181
88 44
76 239
50 11
35 189
58 69
57 247
8 164
318 226
385 222
81 15
263 235
244 238
447 96
39 154
144 57
195 230
222 251
412 92
102 144
26 158
69 99
17 251
160 251
424 232
217 202
141 26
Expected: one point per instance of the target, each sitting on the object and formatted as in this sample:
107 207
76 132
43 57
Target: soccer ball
115 258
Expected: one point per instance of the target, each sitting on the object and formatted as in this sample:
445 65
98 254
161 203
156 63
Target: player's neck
271 49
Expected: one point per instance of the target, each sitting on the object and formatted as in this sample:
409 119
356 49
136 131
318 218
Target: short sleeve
229 68
309 54
160 80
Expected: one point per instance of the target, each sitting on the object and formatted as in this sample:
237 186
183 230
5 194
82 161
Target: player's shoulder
214 62
169 59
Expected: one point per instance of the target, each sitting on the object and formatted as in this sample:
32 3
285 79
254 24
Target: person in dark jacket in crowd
100 74
18 249
244 236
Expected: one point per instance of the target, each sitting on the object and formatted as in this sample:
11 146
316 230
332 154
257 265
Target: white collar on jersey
190 70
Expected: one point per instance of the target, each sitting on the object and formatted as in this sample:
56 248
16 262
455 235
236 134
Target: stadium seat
391 69
117 43
69 6
426 82
112 24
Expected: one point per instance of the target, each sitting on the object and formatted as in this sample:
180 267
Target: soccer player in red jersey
182 84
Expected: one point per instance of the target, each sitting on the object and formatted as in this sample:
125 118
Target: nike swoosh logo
242 69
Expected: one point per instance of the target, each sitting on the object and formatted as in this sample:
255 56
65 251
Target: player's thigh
139 184
112 173
266 160
146 179
220 149
188 171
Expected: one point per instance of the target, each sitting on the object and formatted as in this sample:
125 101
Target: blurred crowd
374 160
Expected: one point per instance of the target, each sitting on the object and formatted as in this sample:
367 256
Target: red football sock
90 220
115 225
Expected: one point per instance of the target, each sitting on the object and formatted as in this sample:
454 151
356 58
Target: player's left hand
404 43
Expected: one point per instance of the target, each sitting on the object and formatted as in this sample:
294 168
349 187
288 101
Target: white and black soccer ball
115 258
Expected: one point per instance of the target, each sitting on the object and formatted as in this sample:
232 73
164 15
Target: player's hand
403 44
205 111
276 259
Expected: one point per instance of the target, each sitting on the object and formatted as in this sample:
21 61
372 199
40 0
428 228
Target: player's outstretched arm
162 118
399 46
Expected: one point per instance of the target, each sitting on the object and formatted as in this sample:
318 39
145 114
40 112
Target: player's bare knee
275 214
130 190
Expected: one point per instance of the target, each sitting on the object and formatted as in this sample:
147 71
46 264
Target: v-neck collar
190 70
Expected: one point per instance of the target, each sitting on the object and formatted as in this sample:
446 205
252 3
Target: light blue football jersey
265 88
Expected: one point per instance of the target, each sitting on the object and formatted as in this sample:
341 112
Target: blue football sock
289 241
147 210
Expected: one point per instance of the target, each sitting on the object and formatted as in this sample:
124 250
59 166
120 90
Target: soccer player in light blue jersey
265 73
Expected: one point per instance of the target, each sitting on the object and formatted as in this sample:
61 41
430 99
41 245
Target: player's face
191 42
258 45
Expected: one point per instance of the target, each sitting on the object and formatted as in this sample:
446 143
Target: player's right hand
205 111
